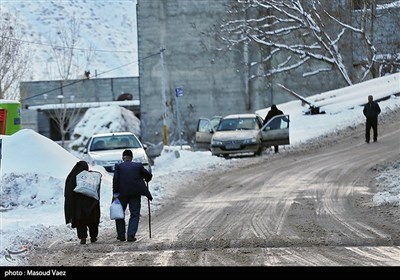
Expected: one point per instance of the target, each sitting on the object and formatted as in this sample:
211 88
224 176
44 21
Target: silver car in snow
244 134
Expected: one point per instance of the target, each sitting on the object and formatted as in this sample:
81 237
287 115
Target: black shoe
375 140
92 240
121 238
367 141
131 239
83 241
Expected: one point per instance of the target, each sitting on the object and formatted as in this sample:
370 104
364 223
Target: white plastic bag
116 211
88 183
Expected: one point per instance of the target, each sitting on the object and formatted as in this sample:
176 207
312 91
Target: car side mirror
85 151
145 146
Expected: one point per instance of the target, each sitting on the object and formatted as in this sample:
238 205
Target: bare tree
14 59
66 115
293 33
66 58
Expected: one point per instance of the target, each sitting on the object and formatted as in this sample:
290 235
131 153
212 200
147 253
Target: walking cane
148 204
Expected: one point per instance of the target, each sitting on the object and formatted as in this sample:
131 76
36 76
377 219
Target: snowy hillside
106 27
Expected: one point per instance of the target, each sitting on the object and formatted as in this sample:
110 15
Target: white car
106 149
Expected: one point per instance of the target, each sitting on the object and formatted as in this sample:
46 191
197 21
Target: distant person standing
128 186
83 212
272 113
371 112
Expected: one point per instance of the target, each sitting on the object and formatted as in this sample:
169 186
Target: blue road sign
179 92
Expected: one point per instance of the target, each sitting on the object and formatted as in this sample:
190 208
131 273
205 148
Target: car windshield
114 142
215 121
238 124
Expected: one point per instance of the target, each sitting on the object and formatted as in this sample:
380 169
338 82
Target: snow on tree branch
289 31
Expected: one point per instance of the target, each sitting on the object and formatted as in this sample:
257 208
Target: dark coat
79 209
272 113
129 179
371 110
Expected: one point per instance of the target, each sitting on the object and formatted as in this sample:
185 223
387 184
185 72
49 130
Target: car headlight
140 159
216 142
250 141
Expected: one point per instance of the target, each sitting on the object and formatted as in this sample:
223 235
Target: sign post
178 93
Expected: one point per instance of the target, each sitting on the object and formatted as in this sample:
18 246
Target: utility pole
164 99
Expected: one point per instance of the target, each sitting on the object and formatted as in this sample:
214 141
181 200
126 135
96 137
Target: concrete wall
386 35
214 84
217 85
174 25
91 90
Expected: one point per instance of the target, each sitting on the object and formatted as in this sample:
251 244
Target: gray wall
187 64
91 90
213 84
216 85
386 35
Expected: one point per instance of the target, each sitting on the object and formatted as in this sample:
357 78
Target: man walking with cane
129 185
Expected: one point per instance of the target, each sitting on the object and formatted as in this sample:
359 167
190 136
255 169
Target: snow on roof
7 101
84 105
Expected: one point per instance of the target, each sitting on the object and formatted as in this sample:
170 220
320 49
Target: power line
80 80
62 47
74 82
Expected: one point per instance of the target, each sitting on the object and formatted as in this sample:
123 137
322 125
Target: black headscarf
69 194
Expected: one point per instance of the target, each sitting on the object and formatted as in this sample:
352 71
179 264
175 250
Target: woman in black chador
83 212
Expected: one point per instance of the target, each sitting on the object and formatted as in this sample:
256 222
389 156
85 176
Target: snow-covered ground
34 168
107 41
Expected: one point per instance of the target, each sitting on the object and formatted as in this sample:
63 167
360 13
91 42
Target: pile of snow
103 120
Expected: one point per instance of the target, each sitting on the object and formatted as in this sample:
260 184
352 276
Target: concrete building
175 52
41 98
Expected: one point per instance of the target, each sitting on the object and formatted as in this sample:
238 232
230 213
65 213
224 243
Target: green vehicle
10 116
